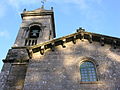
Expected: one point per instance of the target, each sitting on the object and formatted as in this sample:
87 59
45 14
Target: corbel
45 47
114 44
82 36
53 46
90 38
63 41
42 50
102 39
74 39
30 53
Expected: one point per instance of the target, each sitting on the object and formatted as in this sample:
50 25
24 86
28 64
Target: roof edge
79 35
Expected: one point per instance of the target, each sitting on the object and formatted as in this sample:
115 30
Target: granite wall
59 69
13 73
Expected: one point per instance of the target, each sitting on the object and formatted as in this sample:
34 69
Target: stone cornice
80 34
14 61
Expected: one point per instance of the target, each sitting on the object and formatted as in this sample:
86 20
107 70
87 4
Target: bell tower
37 26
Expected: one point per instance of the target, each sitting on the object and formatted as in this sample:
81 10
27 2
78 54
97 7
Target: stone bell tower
37 27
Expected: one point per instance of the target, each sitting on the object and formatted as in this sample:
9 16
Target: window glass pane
88 72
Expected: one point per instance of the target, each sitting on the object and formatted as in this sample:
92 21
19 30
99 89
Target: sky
98 16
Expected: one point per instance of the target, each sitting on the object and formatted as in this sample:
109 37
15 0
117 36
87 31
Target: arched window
34 31
88 72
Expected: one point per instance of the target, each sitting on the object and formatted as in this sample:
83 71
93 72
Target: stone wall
4 75
15 80
13 73
59 69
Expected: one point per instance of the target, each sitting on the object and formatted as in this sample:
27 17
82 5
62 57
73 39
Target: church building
79 61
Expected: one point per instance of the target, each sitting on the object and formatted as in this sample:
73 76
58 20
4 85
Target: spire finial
43 3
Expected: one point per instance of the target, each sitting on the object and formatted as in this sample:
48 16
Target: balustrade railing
30 41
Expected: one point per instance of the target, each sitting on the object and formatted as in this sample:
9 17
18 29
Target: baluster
32 42
26 42
29 42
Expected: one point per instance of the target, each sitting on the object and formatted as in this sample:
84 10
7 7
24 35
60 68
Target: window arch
88 71
34 31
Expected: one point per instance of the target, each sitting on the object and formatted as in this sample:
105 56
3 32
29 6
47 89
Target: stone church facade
79 61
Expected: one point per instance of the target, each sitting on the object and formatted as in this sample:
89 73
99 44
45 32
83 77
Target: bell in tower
34 32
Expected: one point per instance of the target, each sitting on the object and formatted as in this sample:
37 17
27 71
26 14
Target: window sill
94 82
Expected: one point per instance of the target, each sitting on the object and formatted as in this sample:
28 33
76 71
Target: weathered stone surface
15 80
17 54
14 70
59 70
4 75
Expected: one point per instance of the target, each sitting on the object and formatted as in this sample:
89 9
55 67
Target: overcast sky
98 16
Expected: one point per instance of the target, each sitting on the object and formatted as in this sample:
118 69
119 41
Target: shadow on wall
59 70
108 63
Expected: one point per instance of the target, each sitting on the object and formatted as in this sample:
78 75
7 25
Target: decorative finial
43 3
24 10
51 8
80 29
